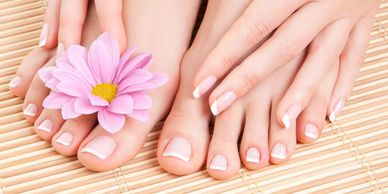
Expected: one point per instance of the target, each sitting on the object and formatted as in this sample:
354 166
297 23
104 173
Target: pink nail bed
179 148
101 147
219 162
65 138
46 125
223 102
291 115
337 109
44 35
253 155
204 86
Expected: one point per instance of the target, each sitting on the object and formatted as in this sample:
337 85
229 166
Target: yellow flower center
105 91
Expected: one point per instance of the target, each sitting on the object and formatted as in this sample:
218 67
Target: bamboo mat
350 157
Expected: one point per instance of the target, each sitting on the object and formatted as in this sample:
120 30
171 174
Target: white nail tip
15 82
214 108
196 93
65 138
254 160
279 151
176 155
215 167
94 152
286 121
311 135
46 125
332 116
30 110
42 42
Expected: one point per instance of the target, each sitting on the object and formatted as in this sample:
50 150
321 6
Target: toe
223 158
25 73
254 142
68 139
48 123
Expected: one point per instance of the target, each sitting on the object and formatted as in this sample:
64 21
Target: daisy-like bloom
99 81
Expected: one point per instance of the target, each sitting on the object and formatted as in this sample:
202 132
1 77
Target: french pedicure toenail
222 102
43 35
279 151
311 131
291 115
15 82
46 125
253 155
65 138
204 86
30 110
179 148
100 146
219 162
337 109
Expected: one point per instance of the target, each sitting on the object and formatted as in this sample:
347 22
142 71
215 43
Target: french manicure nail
222 102
15 81
65 138
60 49
179 148
31 110
43 35
311 131
291 115
46 125
204 86
337 109
100 146
253 155
279 151
219 162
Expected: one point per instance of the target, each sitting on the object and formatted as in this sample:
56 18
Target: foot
96 148
185 144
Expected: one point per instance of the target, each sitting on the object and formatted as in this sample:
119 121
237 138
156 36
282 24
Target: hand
331 29
64 20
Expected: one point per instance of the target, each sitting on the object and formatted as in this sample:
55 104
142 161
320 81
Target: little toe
68 139
223 159
48 123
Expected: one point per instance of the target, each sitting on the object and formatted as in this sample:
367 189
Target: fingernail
60 49
31 110
291 115
46 125
204 86
15 82
219 162
65 138
222 102
178 148
253 155
279 151
311 131
337 109
43 35
100 146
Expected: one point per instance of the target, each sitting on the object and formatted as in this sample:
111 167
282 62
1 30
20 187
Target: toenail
46 125
100 146
222 102
31 110
15 82
204 86
337 109
279 151
43 35
60 49
253 155
179 148
65 138
291 115
311 131
219 162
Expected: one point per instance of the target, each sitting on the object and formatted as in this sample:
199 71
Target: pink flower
99 80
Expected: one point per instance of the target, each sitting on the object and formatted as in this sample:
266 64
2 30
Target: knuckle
257 30
227 61
248 80
71 22
289 49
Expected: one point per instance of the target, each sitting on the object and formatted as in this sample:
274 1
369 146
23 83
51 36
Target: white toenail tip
254 160
43 42
15 82
286 121
280 156
332 117
196 93
214 167
214 108
311 135
43 128
63 142
176 155
94 152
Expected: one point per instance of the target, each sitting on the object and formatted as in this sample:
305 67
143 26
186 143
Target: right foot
185 143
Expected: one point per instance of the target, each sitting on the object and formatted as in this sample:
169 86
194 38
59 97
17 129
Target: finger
110 17
323 54
49 34
72 18
286 43
350 61
247 31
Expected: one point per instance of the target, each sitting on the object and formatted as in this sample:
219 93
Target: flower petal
56 100
159 79
123 60
83 106
78 56
97 101
122 104
136 77
138 87
45 73
63 61
68 111
139 61
111 122
141 101
52 84
141 115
